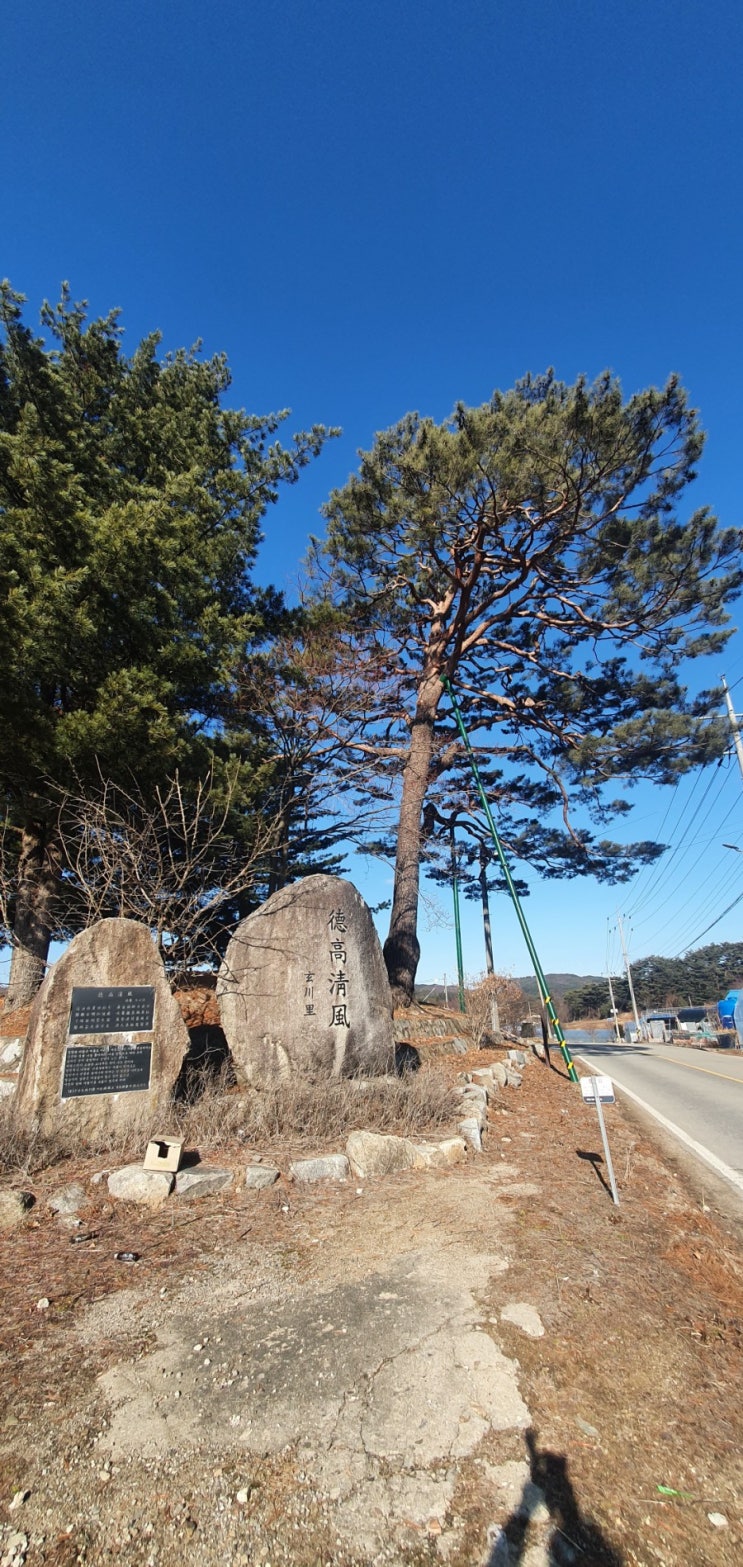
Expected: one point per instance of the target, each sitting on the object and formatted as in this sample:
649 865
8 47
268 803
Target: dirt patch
632 1394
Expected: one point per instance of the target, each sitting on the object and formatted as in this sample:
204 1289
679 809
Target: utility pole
737 742
638 1025
613 1008
489 965
457 921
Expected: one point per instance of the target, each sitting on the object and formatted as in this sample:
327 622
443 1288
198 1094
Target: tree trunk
486 911
489 965
38 882
402 949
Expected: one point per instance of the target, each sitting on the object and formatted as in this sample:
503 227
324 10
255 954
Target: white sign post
598 1091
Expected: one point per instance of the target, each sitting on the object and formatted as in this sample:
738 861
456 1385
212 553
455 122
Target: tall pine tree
131 503
531 551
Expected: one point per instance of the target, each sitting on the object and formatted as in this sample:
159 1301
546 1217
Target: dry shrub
512 1003
25 1151
415 1105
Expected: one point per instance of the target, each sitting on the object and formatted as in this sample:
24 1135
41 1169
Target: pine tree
531 551
131 503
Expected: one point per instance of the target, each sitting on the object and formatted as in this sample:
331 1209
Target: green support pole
457 921
538 970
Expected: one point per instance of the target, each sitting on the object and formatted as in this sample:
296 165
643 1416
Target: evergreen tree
699 978
131 503
530 550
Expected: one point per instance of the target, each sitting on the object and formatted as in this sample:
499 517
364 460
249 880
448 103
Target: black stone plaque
112 1009
106 1069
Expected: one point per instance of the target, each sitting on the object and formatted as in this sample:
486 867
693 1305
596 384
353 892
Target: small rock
585 1428
718 1520
484 1079
475 1094
257 1176
517 1057
43 1304
242 1497
13 1208
524 1316
327 1167
437 1156
475 1112
499 1072
459 1046
16 1546
133 1184
470 1131
202 1181
371 1153
68 1200
19 1498
513 1079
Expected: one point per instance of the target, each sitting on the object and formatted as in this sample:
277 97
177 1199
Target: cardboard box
163 1153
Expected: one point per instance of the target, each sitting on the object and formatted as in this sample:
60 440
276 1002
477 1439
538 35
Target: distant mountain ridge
558 984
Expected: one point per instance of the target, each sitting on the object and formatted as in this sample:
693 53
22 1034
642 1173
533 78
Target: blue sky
378 208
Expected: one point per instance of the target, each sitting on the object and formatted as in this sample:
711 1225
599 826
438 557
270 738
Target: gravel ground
348 1374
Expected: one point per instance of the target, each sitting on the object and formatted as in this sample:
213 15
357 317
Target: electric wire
652 869
679 941
675 889
707 928
680 874
664 864
672 862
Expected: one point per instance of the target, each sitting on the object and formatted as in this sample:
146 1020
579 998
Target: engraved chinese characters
106 1038
303 988
117 1009
339 979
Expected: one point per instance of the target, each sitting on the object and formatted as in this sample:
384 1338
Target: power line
654 869
707 928
700 913
677 886
669 865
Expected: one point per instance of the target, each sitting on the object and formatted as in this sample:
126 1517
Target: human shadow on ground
595 1159
573 1538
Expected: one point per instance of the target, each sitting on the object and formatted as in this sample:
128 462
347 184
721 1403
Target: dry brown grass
417 1104
25 1152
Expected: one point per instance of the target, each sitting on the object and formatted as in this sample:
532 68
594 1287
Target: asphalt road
697 1095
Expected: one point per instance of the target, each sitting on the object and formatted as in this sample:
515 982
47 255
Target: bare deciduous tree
171 860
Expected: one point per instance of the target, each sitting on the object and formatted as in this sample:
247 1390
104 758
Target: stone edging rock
367 1155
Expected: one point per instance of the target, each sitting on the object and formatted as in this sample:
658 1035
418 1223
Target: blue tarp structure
738 1019
726 1008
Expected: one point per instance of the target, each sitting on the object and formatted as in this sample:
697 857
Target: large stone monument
106 1038
303 989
